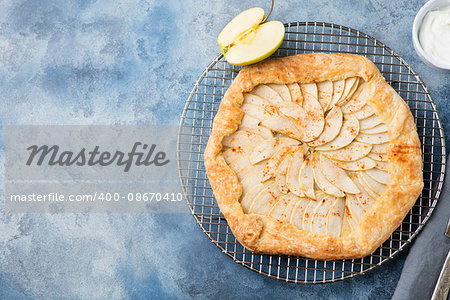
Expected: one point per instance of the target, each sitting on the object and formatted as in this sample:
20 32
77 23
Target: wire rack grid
301 37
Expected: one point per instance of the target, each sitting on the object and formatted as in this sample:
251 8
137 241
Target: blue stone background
135 62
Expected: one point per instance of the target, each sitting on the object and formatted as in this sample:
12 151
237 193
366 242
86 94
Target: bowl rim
418 19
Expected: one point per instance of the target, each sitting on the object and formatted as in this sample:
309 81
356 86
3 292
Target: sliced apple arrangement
248 38
313 155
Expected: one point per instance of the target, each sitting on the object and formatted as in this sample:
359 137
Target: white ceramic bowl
430 5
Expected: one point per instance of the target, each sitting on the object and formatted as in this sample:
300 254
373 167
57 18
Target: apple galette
314 155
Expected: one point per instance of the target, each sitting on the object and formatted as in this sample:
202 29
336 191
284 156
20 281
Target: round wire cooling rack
301 37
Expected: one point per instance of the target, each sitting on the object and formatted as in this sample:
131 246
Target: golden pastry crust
264 234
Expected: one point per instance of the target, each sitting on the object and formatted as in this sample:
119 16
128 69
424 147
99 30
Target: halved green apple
245 40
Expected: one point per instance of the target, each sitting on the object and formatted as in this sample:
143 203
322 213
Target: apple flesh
244 21
245 40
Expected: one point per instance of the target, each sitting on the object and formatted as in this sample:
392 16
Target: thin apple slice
242 138
296 218
309 88
252 124
364 163
280 175
349 130
255 111
286 141
266 92
338 90
357 101
320 195
258 168
234 153
335 218
250 180
231 154
377 129
255 44
322 182
296 93
281 150
378 157
240 164
277 210
299 118
315 120
366 187
247 199
365 112
263 151
333 125
286 215
282 90
337 176
369 122
325 94
241 23
379 149
364 198
306 179
293 111
292 176
352 152
258 101
354 211
349 223
264 201
378 138
249 121
262 131
382 165
378 175
355 207
282 125
308 214
319 221
351 84
374 185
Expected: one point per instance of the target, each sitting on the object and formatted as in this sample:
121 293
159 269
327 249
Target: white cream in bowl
434 34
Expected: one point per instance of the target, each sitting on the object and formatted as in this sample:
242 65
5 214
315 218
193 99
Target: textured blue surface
134 62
